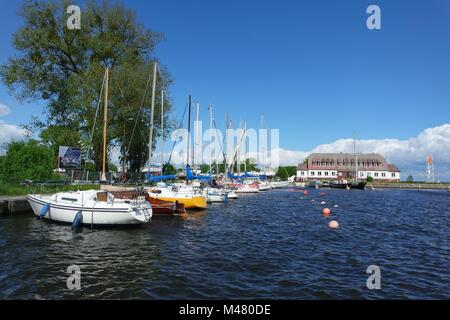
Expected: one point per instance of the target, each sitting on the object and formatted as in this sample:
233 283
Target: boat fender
44 210
77 220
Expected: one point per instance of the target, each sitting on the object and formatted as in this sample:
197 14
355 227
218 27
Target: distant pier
410 185
14 204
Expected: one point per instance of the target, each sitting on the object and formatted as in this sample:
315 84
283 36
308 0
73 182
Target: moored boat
248 188
279 184
159 207
90 207
340 185
264 186
174 194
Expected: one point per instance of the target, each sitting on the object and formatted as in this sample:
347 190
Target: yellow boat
198 202
189 203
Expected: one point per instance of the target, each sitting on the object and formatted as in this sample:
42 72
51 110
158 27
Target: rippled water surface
271 245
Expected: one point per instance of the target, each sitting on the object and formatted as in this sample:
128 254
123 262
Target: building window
319 173
333 173
393 174
326 173
312 173
361 174
383 174
376 174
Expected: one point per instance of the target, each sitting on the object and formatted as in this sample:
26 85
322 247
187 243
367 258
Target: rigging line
235 157
176 138
95 118
139 113
220 142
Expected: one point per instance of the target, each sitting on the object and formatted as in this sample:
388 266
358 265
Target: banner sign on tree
69 158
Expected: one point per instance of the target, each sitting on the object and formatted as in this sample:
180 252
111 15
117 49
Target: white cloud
8 132
409 155
4 110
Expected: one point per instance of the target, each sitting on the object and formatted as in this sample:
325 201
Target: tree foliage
286 172
169 169
27 160
410 178
65 68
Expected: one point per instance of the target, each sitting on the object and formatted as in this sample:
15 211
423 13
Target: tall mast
245 149
263 151
210 137
105 124
189 129
356 156
150 142
162 132
196 133
226 148
239 151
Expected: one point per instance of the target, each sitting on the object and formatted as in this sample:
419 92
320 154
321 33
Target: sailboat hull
66 213
189 203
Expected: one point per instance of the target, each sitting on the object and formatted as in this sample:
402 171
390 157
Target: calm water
270 245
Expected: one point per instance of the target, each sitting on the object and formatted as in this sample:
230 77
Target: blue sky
312 67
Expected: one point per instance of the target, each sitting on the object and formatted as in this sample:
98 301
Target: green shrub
27 160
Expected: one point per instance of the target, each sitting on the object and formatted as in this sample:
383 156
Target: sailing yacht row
127 206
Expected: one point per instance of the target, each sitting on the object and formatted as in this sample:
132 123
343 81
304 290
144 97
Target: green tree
27 160
55 136
285 172
410 178
369 179
169 169
64 68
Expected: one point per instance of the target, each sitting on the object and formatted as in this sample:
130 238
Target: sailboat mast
356 157
226 149
210 136
245 149
105 124
189 130
162 132
239 151
263 151
196 133
150 142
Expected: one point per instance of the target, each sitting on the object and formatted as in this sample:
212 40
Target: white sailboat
91 207
279 184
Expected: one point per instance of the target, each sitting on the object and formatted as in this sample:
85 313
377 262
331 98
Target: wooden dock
14 204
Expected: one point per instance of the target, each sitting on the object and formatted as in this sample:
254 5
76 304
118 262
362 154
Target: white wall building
337 166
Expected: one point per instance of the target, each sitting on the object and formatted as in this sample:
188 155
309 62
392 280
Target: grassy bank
20 190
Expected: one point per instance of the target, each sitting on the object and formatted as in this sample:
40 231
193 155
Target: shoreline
410 185
10 204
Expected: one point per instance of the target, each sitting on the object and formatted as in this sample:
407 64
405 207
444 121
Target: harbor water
271 245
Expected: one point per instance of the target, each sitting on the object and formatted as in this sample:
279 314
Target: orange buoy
333 224
326 212
305 192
